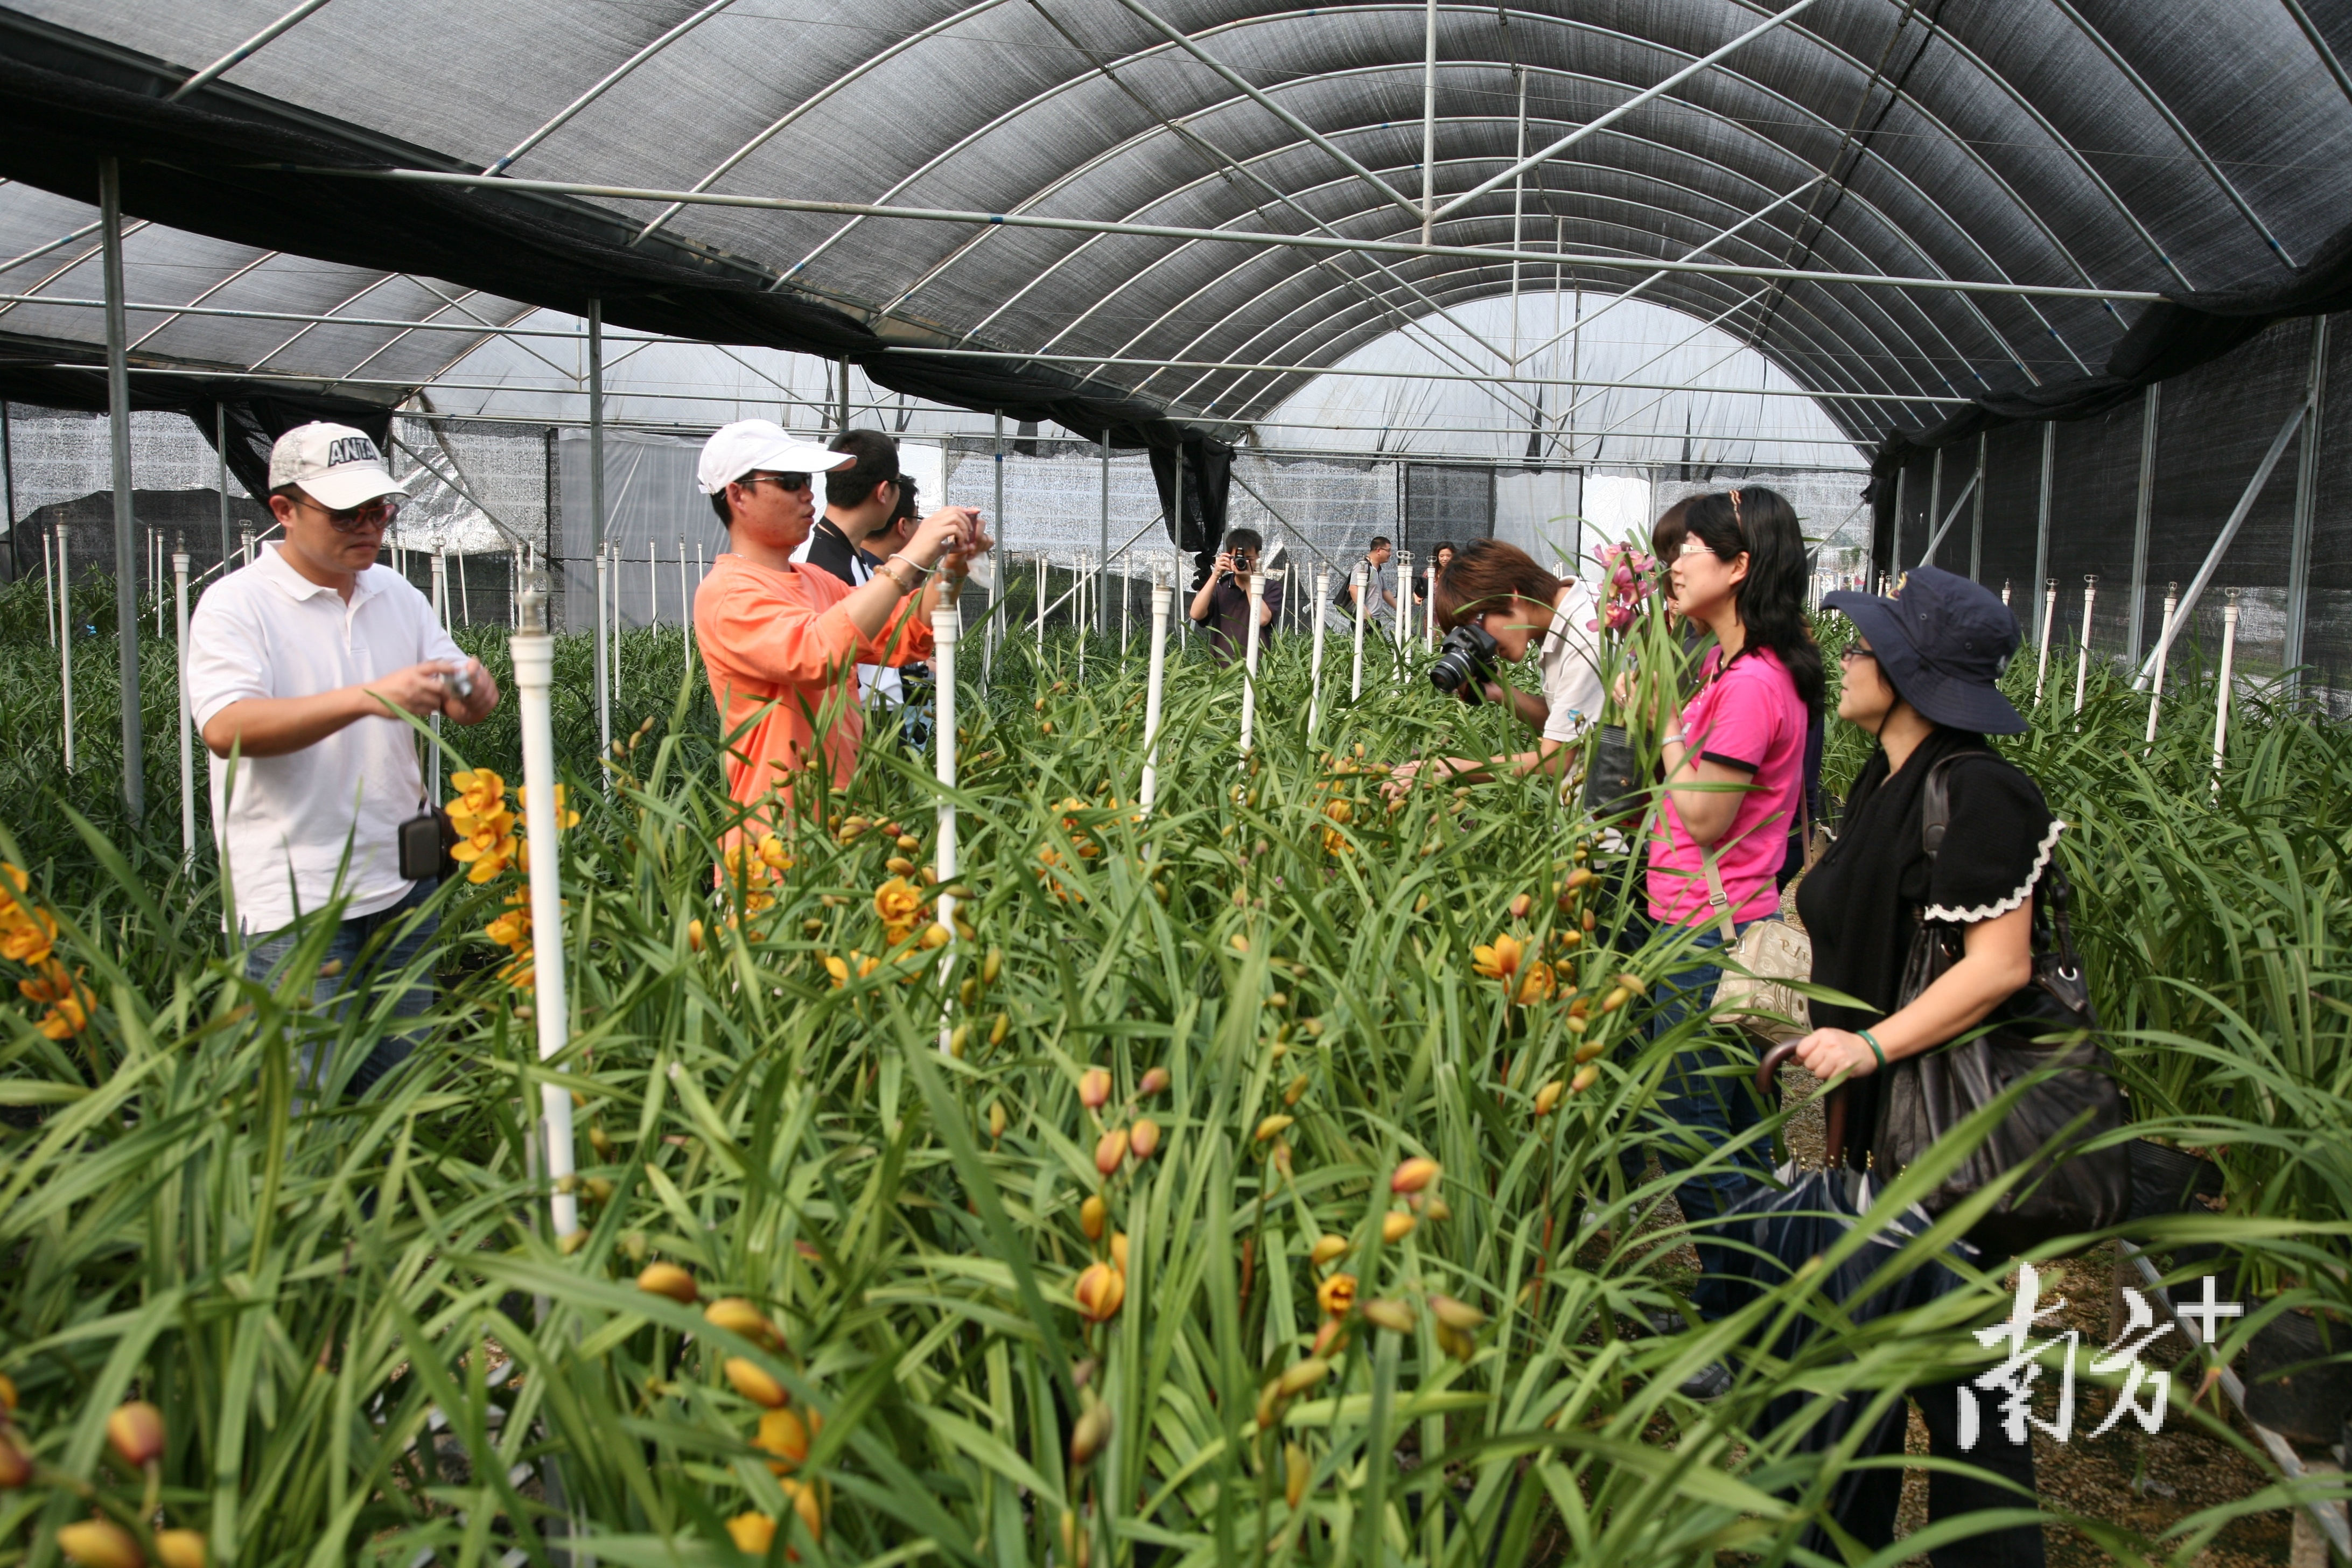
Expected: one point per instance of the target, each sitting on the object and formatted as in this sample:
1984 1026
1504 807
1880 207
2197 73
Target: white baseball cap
734 450
336 466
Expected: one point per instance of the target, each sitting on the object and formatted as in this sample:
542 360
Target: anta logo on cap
350 450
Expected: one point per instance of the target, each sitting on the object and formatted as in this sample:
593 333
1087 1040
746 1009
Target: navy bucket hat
1943 642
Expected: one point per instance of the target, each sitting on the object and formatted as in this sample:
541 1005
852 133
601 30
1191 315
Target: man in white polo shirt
300 668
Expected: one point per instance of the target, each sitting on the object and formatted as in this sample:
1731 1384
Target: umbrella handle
1768 1086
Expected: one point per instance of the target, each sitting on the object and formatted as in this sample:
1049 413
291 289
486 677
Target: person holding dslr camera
1222 607
1497 606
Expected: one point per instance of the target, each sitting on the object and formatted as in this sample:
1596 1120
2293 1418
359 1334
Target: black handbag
1613 785
2050 1027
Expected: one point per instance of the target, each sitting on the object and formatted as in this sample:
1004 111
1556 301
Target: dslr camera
1466 660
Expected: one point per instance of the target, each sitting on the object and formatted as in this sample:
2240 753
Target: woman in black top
1920 676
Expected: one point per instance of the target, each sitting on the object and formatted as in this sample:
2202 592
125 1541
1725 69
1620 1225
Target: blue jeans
351 939
1716 1106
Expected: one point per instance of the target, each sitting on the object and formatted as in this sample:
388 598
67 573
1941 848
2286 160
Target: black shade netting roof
2187 147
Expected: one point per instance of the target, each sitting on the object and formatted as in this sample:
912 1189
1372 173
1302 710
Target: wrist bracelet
897 582
921 571
1674 741
1872 1041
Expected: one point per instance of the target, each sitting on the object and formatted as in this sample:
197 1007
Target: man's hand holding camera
461 691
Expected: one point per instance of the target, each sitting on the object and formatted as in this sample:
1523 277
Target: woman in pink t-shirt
1734 788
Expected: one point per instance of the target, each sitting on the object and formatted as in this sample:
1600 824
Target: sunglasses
783 481
379 513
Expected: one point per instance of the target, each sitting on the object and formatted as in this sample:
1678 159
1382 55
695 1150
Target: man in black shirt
858 501
1222 607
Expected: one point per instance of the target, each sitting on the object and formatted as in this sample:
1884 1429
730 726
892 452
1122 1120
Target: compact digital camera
1466 660
461 681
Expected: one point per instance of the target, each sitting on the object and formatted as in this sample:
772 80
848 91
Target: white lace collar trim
2024 891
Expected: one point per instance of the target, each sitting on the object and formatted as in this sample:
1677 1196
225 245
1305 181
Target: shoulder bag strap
1718 900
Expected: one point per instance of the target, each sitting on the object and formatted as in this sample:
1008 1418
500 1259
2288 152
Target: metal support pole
1249 662
685 602
187 714
841 418
1315 663
1935 509
1041 611
1001 566
1162 596
2143 512
534 670
1102 624
604 596
126 543
1928 557
2042 516
2306 507
464 593
1360 580
1429 124
2156 690
947 630
2083 663
2221 687
49 587
1400 623
8 487
220 453
1894 529
596 515
1976 525
653 585
2238 515
65 639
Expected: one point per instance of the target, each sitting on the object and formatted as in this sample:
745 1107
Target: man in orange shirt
781 641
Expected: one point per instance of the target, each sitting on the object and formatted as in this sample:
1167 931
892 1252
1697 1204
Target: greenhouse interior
1143 782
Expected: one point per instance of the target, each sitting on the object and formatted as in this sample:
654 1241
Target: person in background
1501 590
904 691
1921 675
780 638
1222 607
1378 591
1734 785
1431 570
303 668
860 500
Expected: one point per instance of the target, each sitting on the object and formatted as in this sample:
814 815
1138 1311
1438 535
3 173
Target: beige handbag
1755 994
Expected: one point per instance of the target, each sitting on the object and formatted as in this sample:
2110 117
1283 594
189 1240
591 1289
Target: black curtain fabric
231 164
1199 526
2170 337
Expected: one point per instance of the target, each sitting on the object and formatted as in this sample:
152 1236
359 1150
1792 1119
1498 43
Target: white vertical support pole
65 639
2142 514
1360 580
440 579
2155 692
1249 661
1041 610
1935 505
1080 586
464 593
1178 575
2041 515
1126 591
2004 593
50 586
1428 124
155 556
1003 562
187 715
1976 518
2222 691
947 630
1102 622
604 596
685 602
126 543
1315 662
246 555
596 519
1154 684
1894 529
534 670
2083 662
653 584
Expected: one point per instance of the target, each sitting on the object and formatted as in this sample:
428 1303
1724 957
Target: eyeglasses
1854 653
783 481
381 513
